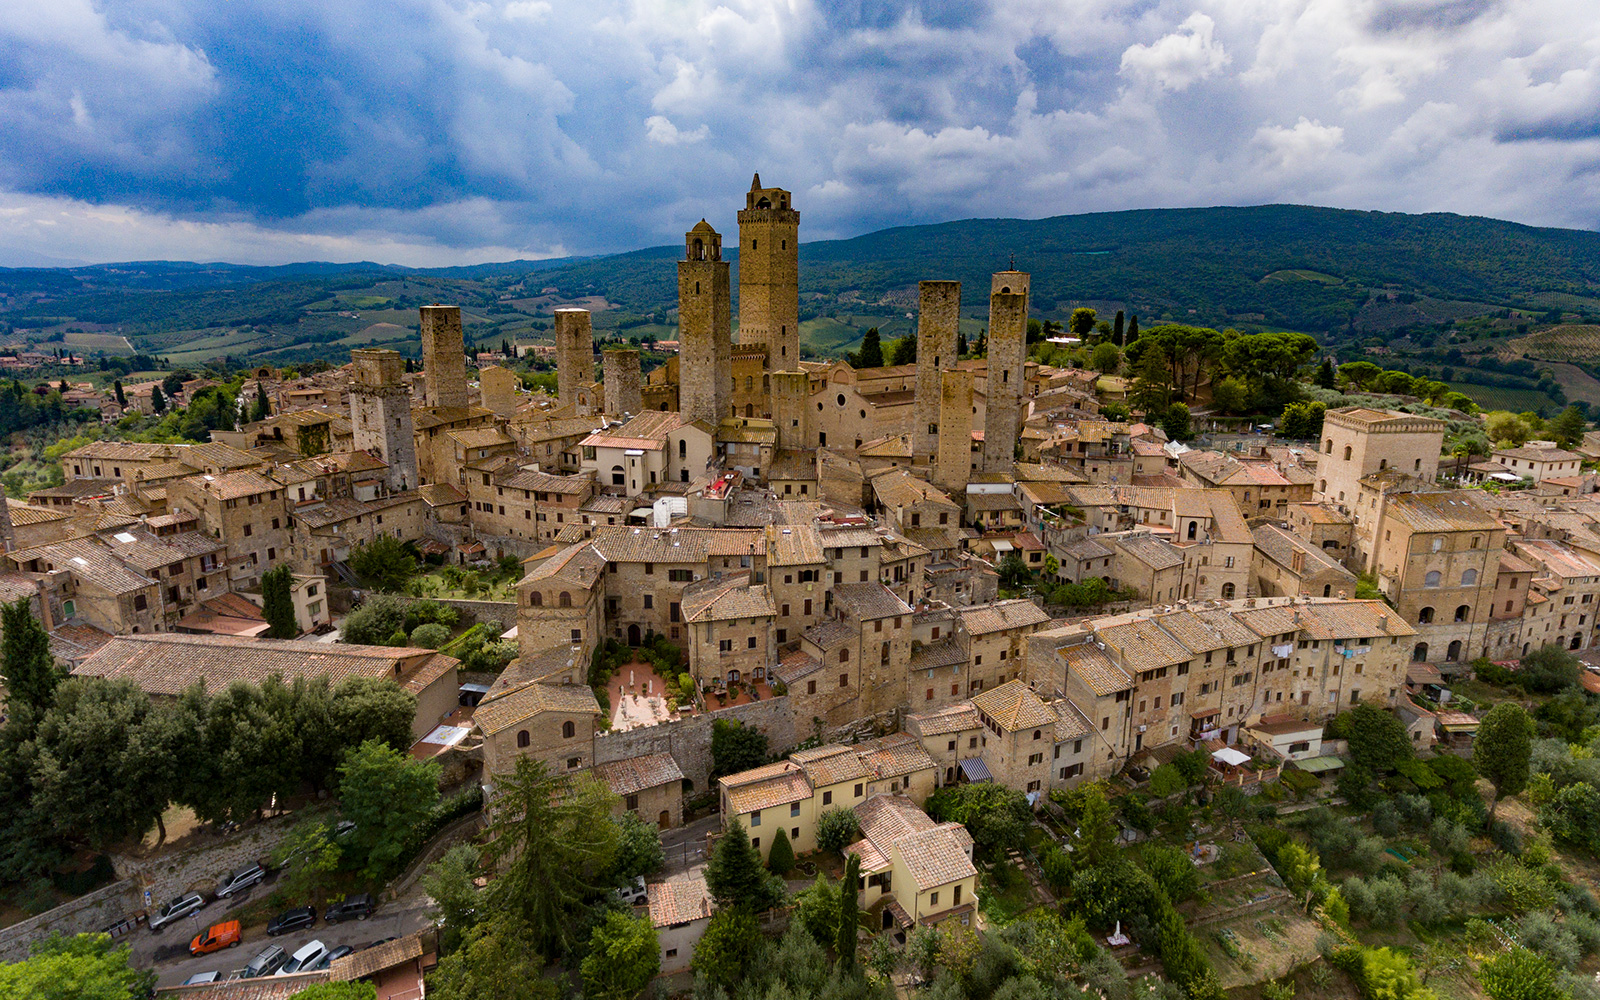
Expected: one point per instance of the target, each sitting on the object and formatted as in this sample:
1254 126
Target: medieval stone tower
623 393
938 318
498 388
705 342
574 354
790 390
444 359
953 464
1008 352
769 275
380 413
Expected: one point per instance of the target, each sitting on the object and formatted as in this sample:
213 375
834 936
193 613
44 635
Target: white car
177 909
634 893
304 959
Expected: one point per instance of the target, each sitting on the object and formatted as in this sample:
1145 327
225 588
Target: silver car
177 910
239 880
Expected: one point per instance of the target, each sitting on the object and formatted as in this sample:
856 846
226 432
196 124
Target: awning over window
976 770
1230 756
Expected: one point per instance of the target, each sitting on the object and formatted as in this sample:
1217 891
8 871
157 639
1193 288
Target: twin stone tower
769 316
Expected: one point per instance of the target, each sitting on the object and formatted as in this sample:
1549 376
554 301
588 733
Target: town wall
94 911
688 739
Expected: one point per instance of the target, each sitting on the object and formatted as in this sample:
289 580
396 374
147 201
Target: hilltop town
842 620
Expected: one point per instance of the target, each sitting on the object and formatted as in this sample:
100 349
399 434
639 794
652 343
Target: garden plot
1260 945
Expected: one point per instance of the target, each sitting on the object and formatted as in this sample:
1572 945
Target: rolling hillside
1330 272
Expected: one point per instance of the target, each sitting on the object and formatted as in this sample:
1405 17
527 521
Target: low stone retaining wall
94 911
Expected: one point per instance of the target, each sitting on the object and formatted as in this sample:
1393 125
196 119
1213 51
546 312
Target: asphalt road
167 950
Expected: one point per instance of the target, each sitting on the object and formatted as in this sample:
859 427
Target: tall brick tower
705 341
953 464
769 275
444 359
1008 352
790 390
622 390
938 318
380 413
574 354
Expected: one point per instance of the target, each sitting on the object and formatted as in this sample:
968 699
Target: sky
430 132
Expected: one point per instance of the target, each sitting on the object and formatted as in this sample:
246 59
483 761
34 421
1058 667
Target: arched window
1227 592
536 600
1425 616
1328 447
1327 590
565 600
1347 453
1432 579
1193 527
1454 652
568 730
618 476
1322 487
1420 653
522 738
1469 577
1463 612
1383 463
844 656
1577 641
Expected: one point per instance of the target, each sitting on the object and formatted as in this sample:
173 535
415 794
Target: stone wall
94 911
689 739
1008 350
574 353
953 460
938 319
444 358
200 867
622 388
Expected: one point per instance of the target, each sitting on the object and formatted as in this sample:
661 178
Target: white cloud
1180 59
1299 146
659 129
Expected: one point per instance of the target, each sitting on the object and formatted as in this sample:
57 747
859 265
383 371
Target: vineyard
1578 344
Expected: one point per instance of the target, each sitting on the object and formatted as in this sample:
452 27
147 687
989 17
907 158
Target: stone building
498 388
622 393
938 324
705 370
1359 442
552 723
1286 565
444 359
1020 737
380 414
730 631
1008 352
649 786
769 275
955 462
574 355
247 511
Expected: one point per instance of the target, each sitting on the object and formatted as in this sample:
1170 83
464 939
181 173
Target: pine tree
1117 329
30 672
158 402
277 605
845 944
735 876
116 387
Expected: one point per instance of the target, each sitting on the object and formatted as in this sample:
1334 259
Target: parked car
177 909
332 956
296 919
359 906
304 959
269 960
216 938
240 880
633 894
369 947
343 829
202 978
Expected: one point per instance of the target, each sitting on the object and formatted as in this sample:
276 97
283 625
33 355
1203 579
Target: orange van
216 938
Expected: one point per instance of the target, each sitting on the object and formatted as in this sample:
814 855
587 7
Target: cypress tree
780 859
30 672
871 349
277 605
1133 328
158 402
845 944
1117 329
1325 377
262 409
116 387
961 344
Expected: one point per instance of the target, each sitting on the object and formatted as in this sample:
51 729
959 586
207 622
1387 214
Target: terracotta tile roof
481 437
793 545
1558 559
235 485
167 470
1532 454
635 774
1141 644
985 618
831 634
935 857
89 561
898 488
1092 664
950 719
260 988
1280 546
1157 553
726 599
895 755
74 488
74 641
441 495
121 451
146 551
544 482
23 514
169 663
580 563
797 665
1071 724
892 826
942 653
680 900
1318 513
764 787
677 545
1440 512
521 704
1087 548
829 765
374 960
1014 706
867 601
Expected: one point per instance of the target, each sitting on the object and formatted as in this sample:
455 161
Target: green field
111 343
1516 400
1302 275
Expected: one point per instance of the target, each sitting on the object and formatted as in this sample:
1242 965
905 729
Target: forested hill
1276 265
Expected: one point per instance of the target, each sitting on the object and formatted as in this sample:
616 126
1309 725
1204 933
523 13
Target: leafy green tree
1097 831
277 605
1573 814
1152 388
356 990
553 843
1359 374
1106 358
736 747
817 909
1520 974
849 926
1568 428
449 884
1166 780
1548 670
1302 420
997 817
388 794
385 563
1082 322
500 961
1378 740
373 708
378 617
429 636
780 856
735 876
905 351
1501 750
311 855
1013 571
1172 871
728 949
639 849
85 967
837 828
623 958
30 671
1231 395
1176 423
